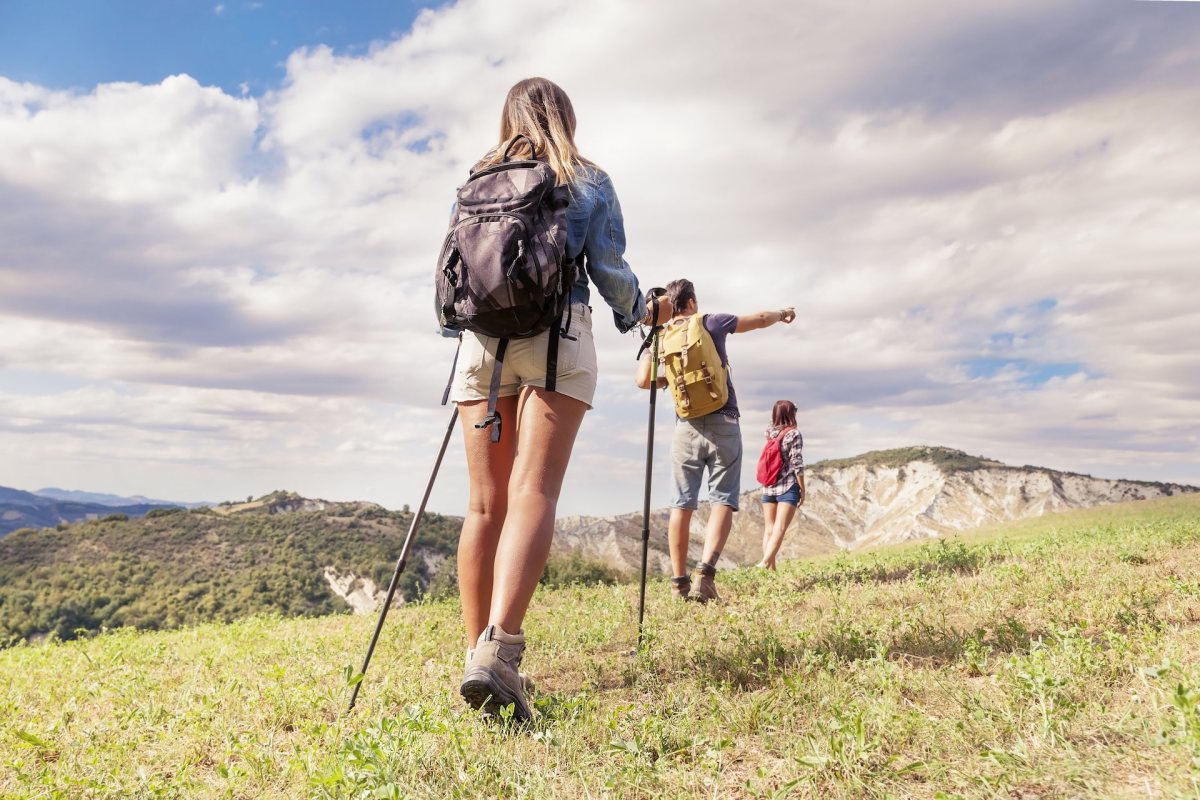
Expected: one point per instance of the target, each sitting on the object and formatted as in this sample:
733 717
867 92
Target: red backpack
770 462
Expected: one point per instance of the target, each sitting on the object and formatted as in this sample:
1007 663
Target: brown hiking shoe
527 683
706 587
681 587
492 680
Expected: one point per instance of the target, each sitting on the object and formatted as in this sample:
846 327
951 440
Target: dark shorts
791 496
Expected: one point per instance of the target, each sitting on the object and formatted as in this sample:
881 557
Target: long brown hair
784 414
539 109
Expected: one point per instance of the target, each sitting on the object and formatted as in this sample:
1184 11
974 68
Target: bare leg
677 539
786 512
489 466
547 423
768 528
720 520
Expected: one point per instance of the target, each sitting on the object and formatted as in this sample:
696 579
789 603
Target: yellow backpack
693 368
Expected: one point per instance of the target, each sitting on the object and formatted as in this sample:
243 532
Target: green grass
1053 658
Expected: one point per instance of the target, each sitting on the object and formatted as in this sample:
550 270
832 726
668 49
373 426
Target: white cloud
242 286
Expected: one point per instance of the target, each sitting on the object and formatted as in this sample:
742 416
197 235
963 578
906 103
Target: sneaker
706 587
492 680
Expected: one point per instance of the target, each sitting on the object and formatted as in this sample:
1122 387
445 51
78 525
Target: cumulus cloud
983 215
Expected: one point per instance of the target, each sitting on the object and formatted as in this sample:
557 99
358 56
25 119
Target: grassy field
1054 658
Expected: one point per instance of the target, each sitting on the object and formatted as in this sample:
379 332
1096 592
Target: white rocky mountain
877 498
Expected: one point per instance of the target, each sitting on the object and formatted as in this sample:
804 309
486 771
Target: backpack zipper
490 216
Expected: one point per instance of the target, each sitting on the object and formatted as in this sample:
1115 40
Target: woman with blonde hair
781 497
515 481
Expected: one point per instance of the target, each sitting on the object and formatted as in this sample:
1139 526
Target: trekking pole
652 342
408 541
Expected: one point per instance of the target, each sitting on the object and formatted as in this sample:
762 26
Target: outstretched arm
764 319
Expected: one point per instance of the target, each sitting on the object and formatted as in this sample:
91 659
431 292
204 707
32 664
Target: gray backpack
503 270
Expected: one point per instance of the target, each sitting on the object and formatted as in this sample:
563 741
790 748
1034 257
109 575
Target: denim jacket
596 229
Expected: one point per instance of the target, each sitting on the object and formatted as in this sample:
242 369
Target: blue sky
215 276
78 44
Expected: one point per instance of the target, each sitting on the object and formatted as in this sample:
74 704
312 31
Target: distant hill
19 509
101 499
178 566
284 502
876 498
8 495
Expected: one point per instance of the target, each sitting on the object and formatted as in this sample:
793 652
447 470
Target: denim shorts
525 363
713 442
792 496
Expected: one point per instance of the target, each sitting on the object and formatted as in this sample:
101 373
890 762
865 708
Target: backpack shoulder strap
552 352
780 439
702 330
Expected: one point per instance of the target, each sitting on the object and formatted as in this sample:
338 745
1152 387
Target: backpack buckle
493 420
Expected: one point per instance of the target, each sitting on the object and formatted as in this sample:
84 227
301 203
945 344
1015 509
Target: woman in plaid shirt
781 498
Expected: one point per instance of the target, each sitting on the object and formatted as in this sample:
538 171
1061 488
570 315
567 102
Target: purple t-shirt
719 326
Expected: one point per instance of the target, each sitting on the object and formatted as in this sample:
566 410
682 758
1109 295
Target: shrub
577 568
154 513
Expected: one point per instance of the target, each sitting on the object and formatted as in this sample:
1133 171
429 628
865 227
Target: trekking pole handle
654 295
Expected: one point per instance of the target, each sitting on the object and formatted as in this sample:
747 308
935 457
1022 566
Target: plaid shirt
792 450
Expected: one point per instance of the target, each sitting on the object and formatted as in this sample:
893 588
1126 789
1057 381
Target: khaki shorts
525 363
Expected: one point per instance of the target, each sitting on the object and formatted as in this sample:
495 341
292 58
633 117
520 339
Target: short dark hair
680 292
784 414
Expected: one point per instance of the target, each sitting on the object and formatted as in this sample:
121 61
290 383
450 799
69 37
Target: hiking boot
681 587
492 680
527 684
706 586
